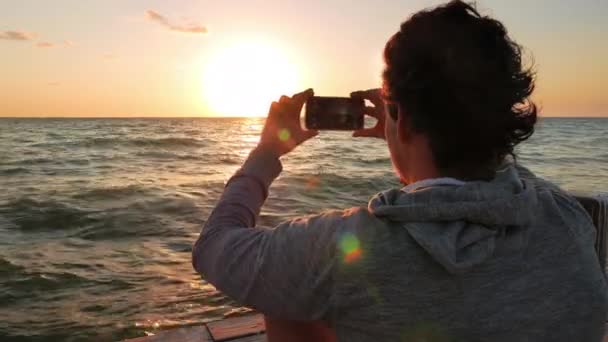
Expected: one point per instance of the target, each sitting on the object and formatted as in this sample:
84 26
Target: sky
182 58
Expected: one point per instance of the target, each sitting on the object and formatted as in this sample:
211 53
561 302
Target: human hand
282 131
377 111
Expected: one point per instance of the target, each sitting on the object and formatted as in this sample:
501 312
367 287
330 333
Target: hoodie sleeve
284 272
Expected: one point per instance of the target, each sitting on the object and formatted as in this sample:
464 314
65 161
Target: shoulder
539 184
330 219
543 186
324 224
567 207
337 218
572 212
561 196
361 219
332 224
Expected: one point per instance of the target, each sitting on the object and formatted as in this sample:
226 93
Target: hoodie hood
459 225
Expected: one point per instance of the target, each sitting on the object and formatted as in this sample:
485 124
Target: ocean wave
33 161
374 161
109 142
79 162
159 142
312 189
350 180
21 283
603 140
47 281
14 171
8 268
230 160
160 217
569 160
28 214
167 155
174 206
114 192
119 212
54 135
124 226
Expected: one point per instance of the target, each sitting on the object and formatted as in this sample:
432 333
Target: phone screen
334 113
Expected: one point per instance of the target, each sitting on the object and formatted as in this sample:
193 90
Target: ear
404 128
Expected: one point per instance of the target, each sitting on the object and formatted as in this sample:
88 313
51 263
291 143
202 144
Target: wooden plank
187 334
236 327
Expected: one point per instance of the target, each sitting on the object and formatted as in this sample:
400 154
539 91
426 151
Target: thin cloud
16 35
45 45
26 36
186 28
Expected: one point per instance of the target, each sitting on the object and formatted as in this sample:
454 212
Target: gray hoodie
506 260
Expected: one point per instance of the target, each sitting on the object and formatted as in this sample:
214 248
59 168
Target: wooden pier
250 328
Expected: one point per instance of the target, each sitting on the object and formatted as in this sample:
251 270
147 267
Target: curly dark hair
460 79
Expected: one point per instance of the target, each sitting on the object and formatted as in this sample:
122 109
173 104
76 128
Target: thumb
362 133
308 134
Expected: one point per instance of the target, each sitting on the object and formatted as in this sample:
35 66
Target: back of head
459 78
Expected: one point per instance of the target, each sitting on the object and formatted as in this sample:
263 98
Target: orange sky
159 58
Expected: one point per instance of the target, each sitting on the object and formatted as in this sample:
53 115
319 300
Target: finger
374 95
367 132
274 108
276 111
311 133
373 112
284 99
357 94
300 98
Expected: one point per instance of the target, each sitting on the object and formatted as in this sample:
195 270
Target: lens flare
351 251
284 134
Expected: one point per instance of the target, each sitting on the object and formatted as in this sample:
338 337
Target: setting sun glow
242 79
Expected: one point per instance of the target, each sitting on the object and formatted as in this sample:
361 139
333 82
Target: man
474 248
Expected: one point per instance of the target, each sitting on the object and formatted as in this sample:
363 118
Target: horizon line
223 117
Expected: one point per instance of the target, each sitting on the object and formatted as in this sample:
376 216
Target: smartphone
334 113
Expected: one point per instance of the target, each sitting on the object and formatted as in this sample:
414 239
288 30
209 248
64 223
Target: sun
243 78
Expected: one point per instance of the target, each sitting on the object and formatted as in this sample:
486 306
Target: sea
98 216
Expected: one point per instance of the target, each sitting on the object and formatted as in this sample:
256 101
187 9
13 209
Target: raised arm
282 272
